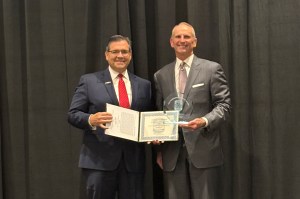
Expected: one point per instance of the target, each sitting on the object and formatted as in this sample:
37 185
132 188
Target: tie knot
120 76
181 66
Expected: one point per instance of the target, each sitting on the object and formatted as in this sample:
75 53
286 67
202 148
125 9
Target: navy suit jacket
100 151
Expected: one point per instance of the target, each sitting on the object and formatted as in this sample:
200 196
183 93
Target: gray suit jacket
208 92
100 151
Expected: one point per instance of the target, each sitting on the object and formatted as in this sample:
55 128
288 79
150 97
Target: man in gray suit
191 165
111 166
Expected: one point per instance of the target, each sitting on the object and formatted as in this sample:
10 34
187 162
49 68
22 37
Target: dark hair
118 38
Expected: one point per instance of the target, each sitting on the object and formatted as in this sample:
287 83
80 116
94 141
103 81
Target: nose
120 54
182 39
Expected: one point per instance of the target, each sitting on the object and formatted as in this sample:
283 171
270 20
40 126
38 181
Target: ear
106 55
130 56
195 42
171 43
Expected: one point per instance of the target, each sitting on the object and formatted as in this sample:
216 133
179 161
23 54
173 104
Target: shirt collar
188 61
114 74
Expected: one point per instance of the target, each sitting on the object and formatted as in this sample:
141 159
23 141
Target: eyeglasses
116 52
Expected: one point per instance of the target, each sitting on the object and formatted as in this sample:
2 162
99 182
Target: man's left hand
194 124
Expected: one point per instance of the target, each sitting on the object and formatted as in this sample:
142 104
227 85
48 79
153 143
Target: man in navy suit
191 165
111 166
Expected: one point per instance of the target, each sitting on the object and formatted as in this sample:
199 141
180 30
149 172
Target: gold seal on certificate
176 102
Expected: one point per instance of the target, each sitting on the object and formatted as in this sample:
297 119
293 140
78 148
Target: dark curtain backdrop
46 45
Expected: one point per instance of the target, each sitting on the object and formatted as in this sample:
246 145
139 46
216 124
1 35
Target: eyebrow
184 35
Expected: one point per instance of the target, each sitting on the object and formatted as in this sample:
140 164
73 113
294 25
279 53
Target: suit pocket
198 85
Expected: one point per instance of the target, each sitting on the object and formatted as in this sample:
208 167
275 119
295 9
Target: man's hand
100 119
155 142
194 124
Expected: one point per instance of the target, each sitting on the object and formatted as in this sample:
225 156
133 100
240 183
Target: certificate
159 125
142 126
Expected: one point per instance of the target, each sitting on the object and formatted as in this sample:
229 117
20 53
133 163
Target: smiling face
183 40
118 55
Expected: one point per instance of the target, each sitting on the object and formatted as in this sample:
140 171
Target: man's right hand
100 119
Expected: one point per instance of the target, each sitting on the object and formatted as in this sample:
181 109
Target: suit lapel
134 89
194 71
105 78
171 78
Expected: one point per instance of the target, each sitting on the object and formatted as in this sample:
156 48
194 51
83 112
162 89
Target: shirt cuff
93 128
206 121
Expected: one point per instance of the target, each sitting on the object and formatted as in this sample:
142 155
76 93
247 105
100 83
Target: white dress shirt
115 80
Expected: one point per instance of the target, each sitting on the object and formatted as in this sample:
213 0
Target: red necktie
123 97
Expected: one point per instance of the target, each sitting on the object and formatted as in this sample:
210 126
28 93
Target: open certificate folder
142 126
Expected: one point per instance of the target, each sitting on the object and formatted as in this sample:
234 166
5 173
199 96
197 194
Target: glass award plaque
176 102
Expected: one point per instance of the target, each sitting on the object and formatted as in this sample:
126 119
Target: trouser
189 182
111 184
